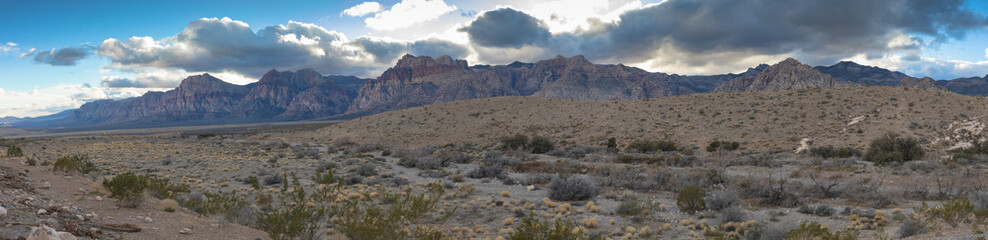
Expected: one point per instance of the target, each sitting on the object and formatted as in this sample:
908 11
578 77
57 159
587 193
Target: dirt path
73 200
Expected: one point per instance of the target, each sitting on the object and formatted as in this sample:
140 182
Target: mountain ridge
423 80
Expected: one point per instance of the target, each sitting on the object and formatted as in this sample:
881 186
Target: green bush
534 229
813 230
650 146
834 152
127 188
891 148
518 141
690 199
391 216
256 184
15 151
296 222
540 144
74 163
162 188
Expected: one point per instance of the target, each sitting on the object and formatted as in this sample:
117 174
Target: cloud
363 9
408 13
506 27
218 45
67 56
167 79
986 52
51 100
700 34
7 47
28 53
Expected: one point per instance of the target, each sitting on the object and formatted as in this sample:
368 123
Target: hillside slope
844 116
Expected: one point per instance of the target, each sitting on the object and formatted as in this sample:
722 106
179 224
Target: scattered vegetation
127 188
538 144
723 145
573 188
651 146
834 152
814 230
892 148
535 229
79 163
15 151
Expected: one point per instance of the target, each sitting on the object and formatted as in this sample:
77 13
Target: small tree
690 199
891 148
540 144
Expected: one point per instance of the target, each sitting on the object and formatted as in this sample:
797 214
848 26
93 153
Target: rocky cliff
973 86
203 98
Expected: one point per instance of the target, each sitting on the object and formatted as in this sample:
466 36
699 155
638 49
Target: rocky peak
788 74
409 61
447 60
203 83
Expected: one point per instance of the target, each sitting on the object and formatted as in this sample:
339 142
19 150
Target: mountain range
416 81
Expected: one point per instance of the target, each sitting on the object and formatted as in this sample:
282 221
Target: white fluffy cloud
46 101
7 47
408 13
218 45
363 9
167 78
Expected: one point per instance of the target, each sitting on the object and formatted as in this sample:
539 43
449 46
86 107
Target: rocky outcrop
856 73
788 74
925 82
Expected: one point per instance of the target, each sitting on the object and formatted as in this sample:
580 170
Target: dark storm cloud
506 27
67 56
697 29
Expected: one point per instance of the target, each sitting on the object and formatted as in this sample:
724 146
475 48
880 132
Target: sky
58 55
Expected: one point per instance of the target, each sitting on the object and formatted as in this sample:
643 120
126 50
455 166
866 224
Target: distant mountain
788 74
852 72
416 81
205 99
973 86
925 82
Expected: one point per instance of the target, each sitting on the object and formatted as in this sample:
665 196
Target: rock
148 219
530 187
42 211
65 236
804 145
98 198
3 212
185 231
46 185
42 232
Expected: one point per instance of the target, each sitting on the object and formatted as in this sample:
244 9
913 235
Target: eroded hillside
764 120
